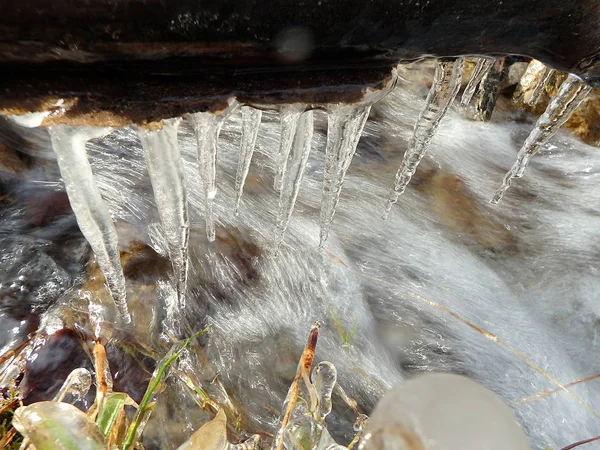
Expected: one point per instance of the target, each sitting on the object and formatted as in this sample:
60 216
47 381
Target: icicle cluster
345 127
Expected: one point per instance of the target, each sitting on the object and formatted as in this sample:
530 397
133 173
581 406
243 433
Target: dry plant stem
8 437
304 367
577 444
102 388
353 404
9 354
543 394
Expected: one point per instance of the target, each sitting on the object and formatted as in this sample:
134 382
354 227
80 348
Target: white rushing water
166 173
207 127
292 176
447 284
250 124
570 95
92 214
446 83
345 124
482 67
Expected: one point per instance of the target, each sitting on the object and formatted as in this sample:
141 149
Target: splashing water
345 124
90 210
446 83
570 95
482 68
207 127
166 173
250 123
292 177
290 114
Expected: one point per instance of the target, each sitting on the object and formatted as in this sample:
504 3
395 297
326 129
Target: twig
304 367
543 394
577 444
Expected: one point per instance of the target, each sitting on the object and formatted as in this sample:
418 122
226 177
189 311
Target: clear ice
292 177
540 86
76 385
290 114
446 83
569 97
345 124
250 123
207 127
166 173
90 210
481 69
324 378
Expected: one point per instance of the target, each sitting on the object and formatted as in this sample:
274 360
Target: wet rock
50 364
458 210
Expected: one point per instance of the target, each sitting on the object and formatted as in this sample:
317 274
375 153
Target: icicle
77 384
345 124
250 123
207 127
290 114
569 97
489 89
166 173
540 86
446 83
293 174
481 69
324 378
90 209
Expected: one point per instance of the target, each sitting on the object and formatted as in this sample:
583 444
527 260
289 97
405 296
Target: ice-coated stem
481 69
570 95
293 174
90 210
290 114
166 174
250 123
446 83
345 124
207 127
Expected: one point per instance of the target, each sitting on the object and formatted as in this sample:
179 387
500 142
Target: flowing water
506 294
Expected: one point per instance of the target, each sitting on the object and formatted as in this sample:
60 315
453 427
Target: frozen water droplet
451 410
